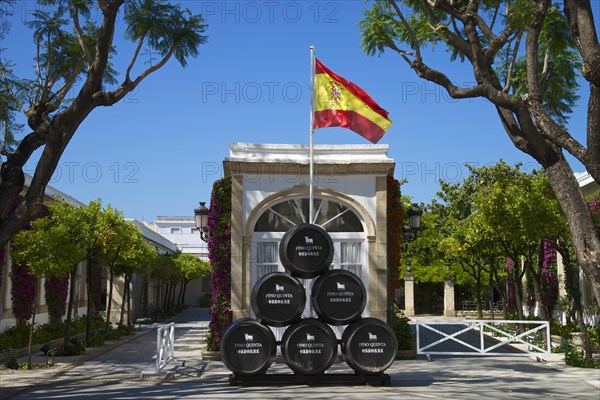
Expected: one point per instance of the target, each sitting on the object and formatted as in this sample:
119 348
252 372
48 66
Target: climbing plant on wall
219 254
394 229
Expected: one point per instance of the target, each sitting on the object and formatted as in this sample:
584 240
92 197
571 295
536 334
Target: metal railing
483 337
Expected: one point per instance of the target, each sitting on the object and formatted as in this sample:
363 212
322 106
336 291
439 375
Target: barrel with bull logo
339 297
369 346
248 347
306 250
309 347
278 299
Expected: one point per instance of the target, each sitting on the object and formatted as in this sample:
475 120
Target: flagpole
312 134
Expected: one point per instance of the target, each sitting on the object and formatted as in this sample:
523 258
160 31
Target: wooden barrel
278 299
369 346
309 347
248 347
339 297
306 250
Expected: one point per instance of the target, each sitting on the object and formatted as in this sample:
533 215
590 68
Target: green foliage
576 358
191 267
204 301
165 27
559 63
403 332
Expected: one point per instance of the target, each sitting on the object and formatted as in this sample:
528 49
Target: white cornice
299 153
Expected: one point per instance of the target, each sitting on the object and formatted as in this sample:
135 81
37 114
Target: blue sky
159 151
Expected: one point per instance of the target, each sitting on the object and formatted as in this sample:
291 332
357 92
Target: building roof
584 178
53 193
154 237
179 219
299 153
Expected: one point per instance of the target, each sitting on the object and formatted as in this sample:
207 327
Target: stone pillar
409 295
449 310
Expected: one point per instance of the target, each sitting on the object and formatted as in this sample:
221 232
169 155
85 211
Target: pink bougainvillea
549 278
56 297
219 254
23 292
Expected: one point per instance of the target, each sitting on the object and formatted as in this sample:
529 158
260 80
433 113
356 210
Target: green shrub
403 332
97 340
15 337
576 358
204 301
112 335
73 348
126 330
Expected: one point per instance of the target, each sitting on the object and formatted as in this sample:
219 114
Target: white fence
165 341
483 337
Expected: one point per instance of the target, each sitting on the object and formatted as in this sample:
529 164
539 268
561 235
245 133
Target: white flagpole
312 134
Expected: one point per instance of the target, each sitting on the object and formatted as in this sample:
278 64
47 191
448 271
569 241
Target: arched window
342 223
331 215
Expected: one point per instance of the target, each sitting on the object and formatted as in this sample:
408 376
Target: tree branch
413 38
481 90
9 89
552 130
110 98
452 39
79 33
581 22
134 57
513 60
531 44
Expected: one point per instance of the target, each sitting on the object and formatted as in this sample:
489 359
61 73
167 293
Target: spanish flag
339 102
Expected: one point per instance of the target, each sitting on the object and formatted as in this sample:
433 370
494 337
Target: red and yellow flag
339 102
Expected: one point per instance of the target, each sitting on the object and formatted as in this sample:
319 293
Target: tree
190 267
525 58
126 247
137 258
74 55
48 249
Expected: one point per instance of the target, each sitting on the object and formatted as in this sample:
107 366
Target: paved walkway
113 372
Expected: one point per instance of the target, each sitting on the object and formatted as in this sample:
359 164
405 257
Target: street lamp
414 215
201 219
409 232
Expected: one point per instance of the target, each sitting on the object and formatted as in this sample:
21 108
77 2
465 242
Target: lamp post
201 219
409 233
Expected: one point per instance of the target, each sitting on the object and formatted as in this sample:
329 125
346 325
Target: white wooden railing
483 337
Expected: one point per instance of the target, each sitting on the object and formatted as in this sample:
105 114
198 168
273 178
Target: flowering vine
23 291
394 229
549 281
56 297
219 254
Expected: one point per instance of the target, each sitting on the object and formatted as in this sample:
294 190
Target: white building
270 195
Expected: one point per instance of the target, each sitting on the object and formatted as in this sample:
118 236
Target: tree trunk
583 232
123 300
184 290
32 327
180 295
491 288
88 319
573 290
109 299
173 292
479 287
72 283
129 302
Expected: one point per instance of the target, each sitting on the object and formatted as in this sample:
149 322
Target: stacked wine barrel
309 346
